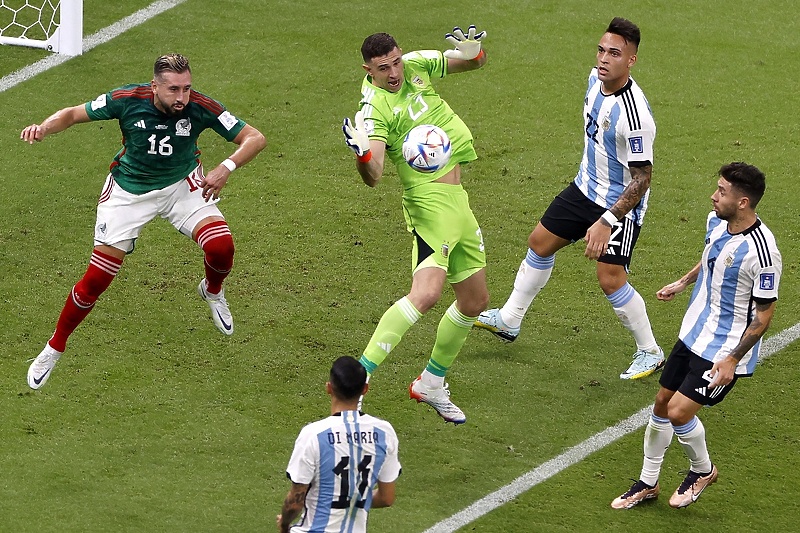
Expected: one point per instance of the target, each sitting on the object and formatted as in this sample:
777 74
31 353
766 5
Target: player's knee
219 251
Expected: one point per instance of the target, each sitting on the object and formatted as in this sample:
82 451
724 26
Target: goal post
54 25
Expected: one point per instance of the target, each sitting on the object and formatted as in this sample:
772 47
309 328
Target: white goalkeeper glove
467 46
356 137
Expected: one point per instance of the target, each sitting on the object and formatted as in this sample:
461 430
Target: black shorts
683 372
571 213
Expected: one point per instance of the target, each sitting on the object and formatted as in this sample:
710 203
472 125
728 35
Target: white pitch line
577 453
102 36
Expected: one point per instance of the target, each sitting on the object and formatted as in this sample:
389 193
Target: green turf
155 422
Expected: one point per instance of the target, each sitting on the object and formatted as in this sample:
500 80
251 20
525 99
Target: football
426 148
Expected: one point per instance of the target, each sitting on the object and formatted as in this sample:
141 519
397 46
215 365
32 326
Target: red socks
99 275
216 241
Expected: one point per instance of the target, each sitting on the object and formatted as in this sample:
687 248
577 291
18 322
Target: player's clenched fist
32 133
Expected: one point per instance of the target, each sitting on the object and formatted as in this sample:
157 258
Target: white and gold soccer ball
426 148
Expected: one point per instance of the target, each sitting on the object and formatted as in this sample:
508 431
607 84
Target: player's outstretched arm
58 121
370 153
468 53
668 292
250 142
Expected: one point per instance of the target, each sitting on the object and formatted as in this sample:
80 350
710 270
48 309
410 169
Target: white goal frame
67 38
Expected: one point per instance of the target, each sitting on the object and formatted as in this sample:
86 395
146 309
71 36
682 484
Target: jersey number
591 127
344 485
417 107
163 148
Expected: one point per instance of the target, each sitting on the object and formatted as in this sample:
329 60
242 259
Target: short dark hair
171 63
746 179
376 45
625 29
348 377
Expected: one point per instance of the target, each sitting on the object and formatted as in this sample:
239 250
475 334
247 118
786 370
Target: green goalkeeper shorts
447 235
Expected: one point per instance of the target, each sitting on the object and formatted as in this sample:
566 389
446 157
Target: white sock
432 381
657 438
629 307
692 437
532 276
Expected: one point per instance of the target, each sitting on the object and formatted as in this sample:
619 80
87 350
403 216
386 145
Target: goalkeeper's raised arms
355 136
467 47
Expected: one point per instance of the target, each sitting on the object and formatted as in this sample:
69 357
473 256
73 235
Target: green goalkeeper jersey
390 116
158 149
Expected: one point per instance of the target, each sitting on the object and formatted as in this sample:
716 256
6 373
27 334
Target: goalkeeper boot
492 321
220 312
643 364
41 368
438 398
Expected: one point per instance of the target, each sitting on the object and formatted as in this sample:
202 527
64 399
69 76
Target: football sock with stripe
692 437
630 308
450 336
657 438
217 243
390 330
99 275
532 276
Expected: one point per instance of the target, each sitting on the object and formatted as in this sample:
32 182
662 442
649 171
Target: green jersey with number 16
390 116
158 149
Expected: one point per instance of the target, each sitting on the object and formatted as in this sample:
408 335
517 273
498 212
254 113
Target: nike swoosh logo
224 325
38 381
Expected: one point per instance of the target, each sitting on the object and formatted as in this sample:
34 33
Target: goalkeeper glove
356 136
467 47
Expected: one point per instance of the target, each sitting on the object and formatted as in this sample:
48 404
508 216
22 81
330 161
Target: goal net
55 25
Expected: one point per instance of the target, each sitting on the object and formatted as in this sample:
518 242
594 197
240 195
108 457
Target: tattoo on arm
755 330
636 189
294 502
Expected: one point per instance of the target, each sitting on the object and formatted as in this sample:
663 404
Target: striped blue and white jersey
342 458
620 131
736 270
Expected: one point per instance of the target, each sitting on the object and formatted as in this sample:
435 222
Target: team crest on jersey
183 127
396 110
606 123
766 281
637 145
729 260
416 80
445 250
101 228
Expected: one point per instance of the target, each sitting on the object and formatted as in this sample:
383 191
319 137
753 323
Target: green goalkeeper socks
391 328
453 330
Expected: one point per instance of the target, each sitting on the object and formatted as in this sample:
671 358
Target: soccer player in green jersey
397 95
156 173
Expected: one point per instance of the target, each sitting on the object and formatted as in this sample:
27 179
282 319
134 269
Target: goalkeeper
397 95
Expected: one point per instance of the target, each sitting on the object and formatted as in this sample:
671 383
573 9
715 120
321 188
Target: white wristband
609 217
229 164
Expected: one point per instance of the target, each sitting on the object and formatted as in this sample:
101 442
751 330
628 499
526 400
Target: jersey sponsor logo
183 127
228 120
637 146
385 346
711 394
766 281
99 102
140 124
